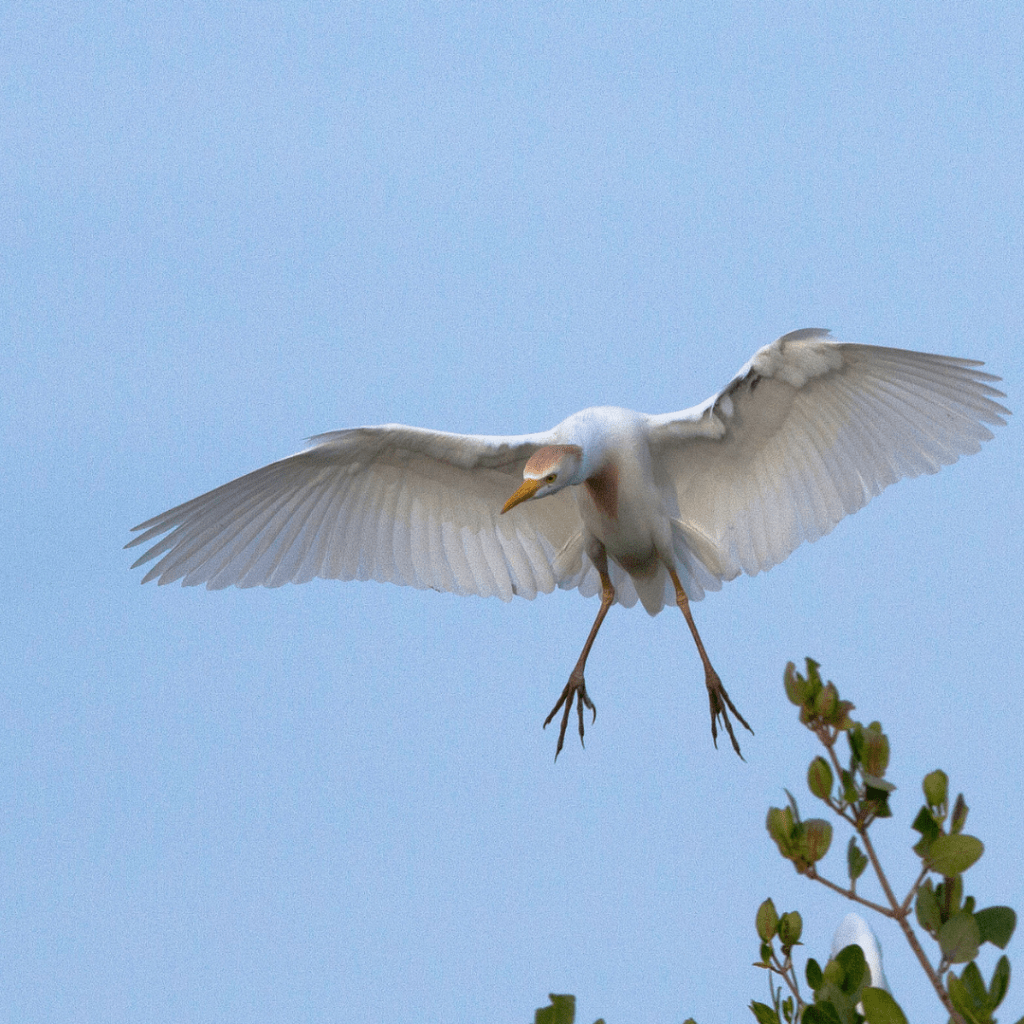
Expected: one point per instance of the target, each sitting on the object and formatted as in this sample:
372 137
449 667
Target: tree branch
900 914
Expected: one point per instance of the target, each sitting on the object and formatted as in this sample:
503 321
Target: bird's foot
575 689
721 705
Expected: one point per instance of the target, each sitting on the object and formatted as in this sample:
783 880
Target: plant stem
905 905
782 969
849 893
899 912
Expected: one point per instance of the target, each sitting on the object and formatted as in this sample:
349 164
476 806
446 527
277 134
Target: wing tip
806 334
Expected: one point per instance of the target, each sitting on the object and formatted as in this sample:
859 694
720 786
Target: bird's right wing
391 503
808 432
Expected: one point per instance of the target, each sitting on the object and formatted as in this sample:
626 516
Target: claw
575 689
719 700
721 705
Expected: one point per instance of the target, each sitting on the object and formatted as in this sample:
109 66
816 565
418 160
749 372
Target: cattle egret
632 506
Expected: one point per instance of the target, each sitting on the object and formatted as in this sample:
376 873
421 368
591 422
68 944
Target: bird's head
548 470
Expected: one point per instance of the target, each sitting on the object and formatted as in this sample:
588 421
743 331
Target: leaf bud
841 720
875 751
813 675
936 788
819 778
818 837
826 703
767 921
780 827
959 818
798 689
791 926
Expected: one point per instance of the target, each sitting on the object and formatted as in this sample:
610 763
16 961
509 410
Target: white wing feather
807 433
392 503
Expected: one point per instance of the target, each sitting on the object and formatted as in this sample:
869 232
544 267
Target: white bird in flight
632 506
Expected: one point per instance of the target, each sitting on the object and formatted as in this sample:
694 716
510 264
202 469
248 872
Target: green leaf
856 860
764 1014
958 995
926 824
877 782
975 985
813 973
833 974
850 792
855 968
929 915
880 798
959 938
1000 982
561 1011
880 1007
963 1000
954 854
821 1013
794 810
996 925
855 737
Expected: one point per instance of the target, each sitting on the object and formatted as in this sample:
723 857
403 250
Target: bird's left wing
391 503
808 432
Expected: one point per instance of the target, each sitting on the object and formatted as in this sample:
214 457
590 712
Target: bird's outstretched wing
808 432
391 503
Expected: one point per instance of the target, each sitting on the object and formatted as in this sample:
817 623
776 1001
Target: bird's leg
721 705
576 687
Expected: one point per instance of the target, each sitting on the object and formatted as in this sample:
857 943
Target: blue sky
230 226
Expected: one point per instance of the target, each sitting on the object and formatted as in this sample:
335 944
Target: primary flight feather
658 508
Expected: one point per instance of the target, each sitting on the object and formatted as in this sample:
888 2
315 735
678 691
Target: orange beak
527 490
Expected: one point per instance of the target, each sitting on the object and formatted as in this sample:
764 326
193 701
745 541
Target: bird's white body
625 510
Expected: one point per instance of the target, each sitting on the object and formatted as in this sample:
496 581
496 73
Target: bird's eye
551 478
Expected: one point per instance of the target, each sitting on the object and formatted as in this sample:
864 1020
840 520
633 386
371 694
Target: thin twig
848 893
794 987
905 905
